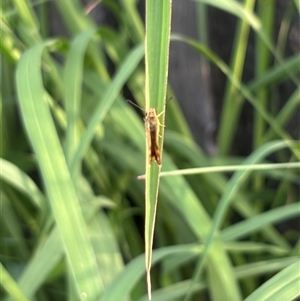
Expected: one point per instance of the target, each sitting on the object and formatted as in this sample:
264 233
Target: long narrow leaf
56 176
73 75
9 284
124 71
249 226
158 23
228 195
283 286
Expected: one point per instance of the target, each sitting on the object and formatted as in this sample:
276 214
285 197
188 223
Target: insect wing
152 132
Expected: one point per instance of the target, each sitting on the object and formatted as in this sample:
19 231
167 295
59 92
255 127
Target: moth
152 131
152 125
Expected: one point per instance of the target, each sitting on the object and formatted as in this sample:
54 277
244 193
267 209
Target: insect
152 131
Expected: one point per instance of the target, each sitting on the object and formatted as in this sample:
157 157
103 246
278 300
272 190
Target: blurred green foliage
72 209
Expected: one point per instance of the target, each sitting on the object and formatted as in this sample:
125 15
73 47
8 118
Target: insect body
152 131
152 125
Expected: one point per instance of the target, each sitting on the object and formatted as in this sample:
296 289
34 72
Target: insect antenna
134 104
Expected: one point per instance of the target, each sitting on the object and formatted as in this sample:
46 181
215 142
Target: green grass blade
255 247
263 60
227 197
133 20
9 284
239 85
232 107
217 169
192 211
276 74
48 254
282 286
158 27
56 176
74 16
10 222
286 113
237 9
175 291
250 225
264 267
26 14
123 73
15 177
73 75
125 281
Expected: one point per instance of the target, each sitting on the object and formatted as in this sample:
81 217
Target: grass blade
158 23
36 271
73 75
11 286
250 225
56 176
226 199
21 181
283 286
124 71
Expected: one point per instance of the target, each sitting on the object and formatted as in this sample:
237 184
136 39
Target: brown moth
152 131
152 125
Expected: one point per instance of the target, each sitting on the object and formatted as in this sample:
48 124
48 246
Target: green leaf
61 190
253 224
126 280
125 70
9 284
239 85
11 174
226 199
46 257
158 26
283 286
73 74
